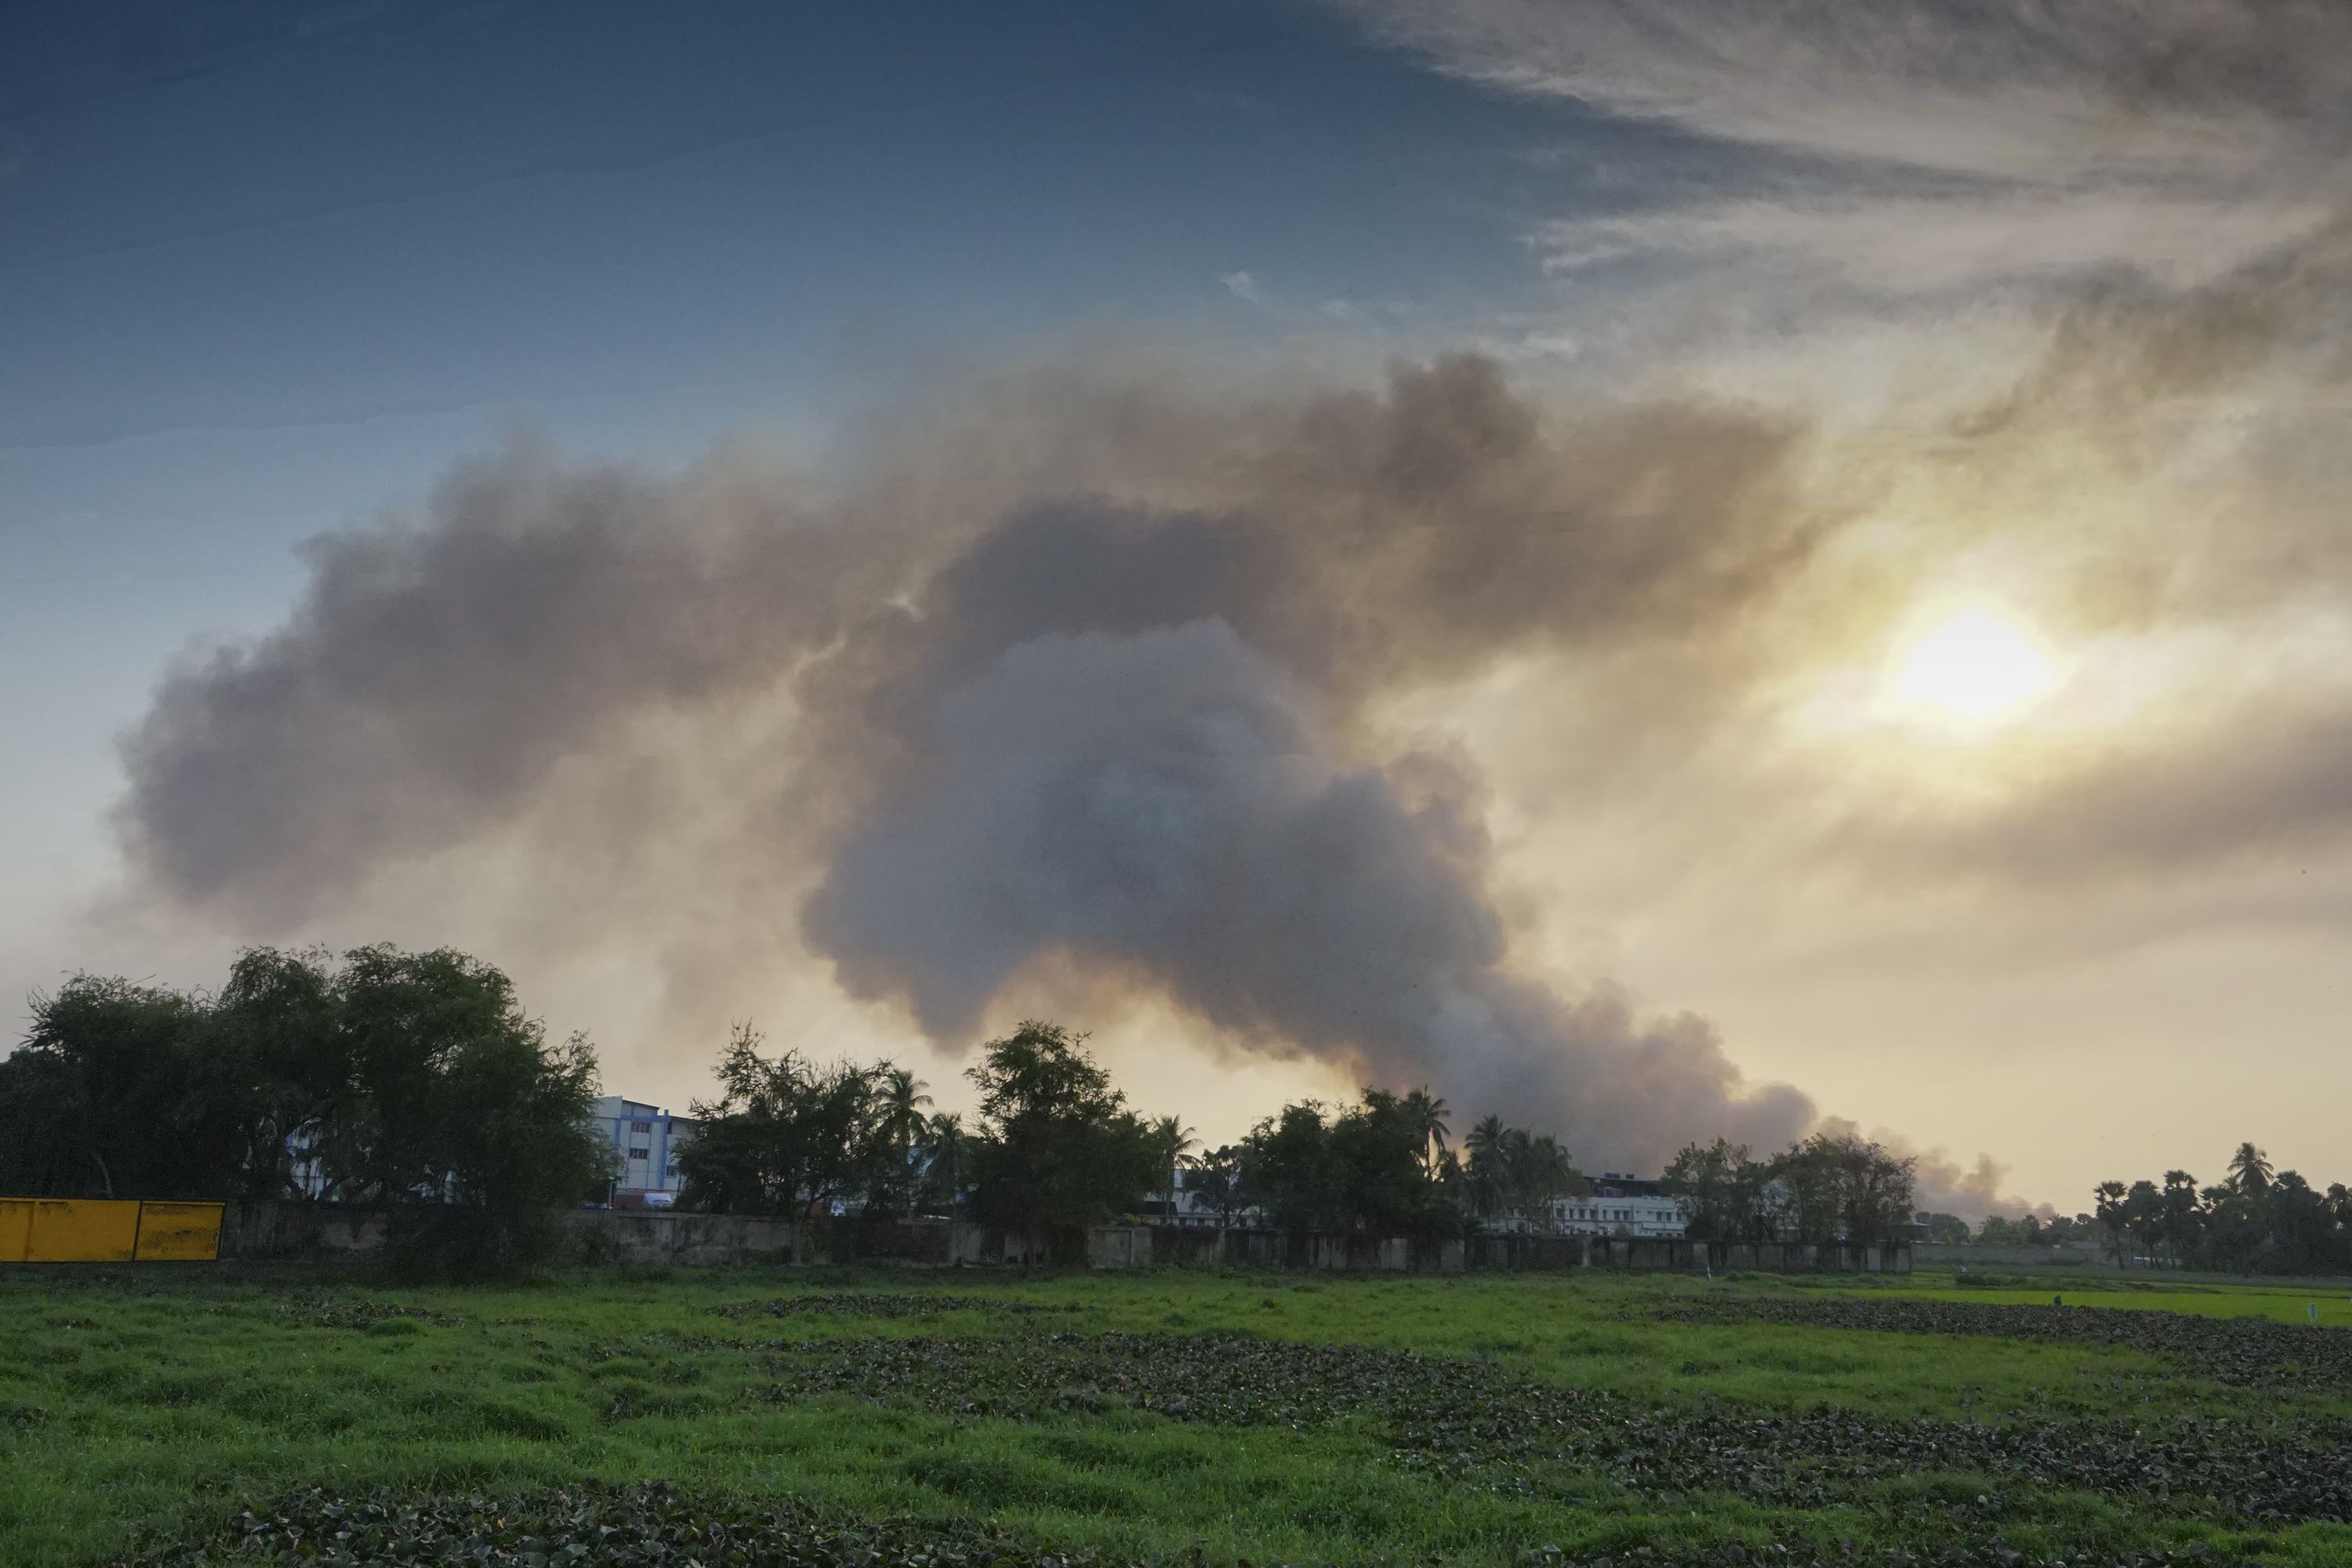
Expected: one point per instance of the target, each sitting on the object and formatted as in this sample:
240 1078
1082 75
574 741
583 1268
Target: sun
1975 666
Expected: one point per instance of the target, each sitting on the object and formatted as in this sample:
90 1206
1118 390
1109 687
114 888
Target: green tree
1172 1140
403 1021
514 1137
1217 1178
897 1122
2000 1230
2108 1209
783 1134
410 1079
278 1041
1427 1113
2143 1217
1488 1168
948 1151
107 1096
1843 1188
2302 1228
2249 1170
2184 1217
2339 1211
1287 1169
1721 1189
2237 1235
1378 1152
449 1094
1062 1149
1361 1169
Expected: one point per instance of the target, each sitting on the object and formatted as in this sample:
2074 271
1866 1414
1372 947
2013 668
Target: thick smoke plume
1083 678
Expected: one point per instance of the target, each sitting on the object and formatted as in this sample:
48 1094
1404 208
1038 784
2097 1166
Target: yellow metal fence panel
179 1233
83 1230
108 1230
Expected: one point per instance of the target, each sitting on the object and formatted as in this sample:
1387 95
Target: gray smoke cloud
1034 705
1171 802
1095 668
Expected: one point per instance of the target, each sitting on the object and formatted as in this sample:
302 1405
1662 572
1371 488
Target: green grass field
1266 1418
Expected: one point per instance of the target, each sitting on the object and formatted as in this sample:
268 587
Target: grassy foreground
1249 1417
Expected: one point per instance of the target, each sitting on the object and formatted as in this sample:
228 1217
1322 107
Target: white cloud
1540 344
2093 87
1931 244
1949 143
1242 286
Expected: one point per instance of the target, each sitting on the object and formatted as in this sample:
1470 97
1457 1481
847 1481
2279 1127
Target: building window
642 1129
639 1151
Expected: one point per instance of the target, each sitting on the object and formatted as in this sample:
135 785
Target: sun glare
1975 666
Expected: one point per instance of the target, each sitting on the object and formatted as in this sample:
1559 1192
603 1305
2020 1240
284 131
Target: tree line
2255 1220
409 1079
1824 1188
417 1081
1053 1144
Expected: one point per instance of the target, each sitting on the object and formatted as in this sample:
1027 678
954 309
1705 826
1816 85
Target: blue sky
267 268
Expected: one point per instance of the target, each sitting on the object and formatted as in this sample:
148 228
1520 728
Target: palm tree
1427 1115
2182 1216
950 1148
1489 1146
1550 1172
2249 1170
1448 1175
2108 1207
899 1101
1173 1138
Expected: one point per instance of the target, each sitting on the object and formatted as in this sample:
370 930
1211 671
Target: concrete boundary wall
1137 1246
1951 1254
651 1239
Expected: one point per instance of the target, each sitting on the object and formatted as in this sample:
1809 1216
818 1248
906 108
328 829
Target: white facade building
1620 1205
644 1141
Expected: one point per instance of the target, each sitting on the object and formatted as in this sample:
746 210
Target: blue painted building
644 1141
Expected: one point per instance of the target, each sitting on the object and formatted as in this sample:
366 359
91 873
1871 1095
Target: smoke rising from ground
1168 802
1096 672
1129 722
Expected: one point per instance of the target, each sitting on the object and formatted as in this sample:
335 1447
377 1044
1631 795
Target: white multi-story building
645 1140
1620 1206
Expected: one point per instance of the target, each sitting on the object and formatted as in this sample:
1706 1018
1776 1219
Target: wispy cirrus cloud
1929 244
2114 88
1939 144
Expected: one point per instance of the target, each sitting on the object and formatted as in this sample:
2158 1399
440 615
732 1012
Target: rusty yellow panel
15 1228
179 1233
82 1230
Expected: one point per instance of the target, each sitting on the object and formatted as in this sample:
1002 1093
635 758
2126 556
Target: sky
1676 568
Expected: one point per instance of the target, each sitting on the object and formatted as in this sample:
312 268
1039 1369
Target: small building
1193 1205
645 1140
1620 1205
